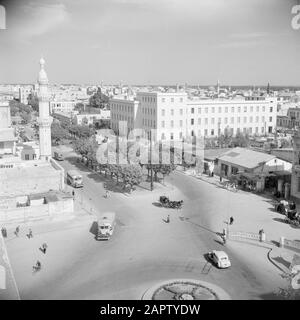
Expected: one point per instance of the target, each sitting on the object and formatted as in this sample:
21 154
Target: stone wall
37 184
44 211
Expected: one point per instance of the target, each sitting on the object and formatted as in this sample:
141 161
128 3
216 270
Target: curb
273 262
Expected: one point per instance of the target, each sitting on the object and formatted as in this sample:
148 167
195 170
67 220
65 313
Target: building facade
175 116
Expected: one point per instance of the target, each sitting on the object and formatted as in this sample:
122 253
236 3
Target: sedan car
220 259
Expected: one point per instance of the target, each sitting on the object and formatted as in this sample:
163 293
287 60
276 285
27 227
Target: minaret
44 119
218 88
268 88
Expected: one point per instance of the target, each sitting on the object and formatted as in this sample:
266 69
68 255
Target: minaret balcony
44 98
45 122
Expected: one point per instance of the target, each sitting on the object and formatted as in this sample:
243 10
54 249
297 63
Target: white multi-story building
62 106
175 116
121 110
91 118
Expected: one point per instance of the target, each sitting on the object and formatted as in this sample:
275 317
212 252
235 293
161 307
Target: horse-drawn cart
167 203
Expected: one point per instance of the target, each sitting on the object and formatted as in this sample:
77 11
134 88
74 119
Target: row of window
149 123
233 109
122 107
148 111
120 117
213 132
149 99
225 109
212 121
172 100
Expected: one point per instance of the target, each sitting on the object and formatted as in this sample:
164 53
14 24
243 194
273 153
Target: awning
282 173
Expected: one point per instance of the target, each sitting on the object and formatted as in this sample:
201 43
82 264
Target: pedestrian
4 232
17 231
44 247
168 218
220 178
231 220
30 235
37 266
106 194
73 193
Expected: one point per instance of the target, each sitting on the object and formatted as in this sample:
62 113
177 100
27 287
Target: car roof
220 254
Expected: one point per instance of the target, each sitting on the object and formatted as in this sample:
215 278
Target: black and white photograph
150 152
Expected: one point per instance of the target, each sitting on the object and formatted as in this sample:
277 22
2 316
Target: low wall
289 244
31 213
244 235
58 167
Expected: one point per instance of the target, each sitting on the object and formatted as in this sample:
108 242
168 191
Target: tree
33 101
99 100
240 140
26 117
164 169
79 106
131 174
58 133
83 131
20 109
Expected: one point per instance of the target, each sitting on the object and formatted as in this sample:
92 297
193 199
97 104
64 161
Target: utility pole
151 168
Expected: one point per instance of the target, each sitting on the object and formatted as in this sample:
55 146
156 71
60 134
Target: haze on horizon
239 42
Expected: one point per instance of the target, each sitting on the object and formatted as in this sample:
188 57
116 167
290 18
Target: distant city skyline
151 42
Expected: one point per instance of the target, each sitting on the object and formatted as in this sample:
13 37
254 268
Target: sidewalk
11 290
282 258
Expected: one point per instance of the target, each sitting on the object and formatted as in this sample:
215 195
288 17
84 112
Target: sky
239 42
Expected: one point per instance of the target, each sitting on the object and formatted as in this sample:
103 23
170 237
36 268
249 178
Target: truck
58 156
106 225
74 178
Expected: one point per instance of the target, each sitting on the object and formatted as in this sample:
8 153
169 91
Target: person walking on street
4 232
73 194
44 247
37 267
231 220
168 218
17 231
30 235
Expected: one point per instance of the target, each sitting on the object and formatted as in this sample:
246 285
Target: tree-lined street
144 249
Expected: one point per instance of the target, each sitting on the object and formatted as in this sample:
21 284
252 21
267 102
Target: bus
106 226
74 178
58 156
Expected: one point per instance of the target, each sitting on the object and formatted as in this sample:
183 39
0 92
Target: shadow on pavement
279 220
282 261
79 165
202 227
94 228
219 242
157 204
271 296
276 243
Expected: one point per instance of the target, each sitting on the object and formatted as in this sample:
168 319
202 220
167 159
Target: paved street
144 249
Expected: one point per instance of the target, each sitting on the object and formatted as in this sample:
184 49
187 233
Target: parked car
285 207
219 258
